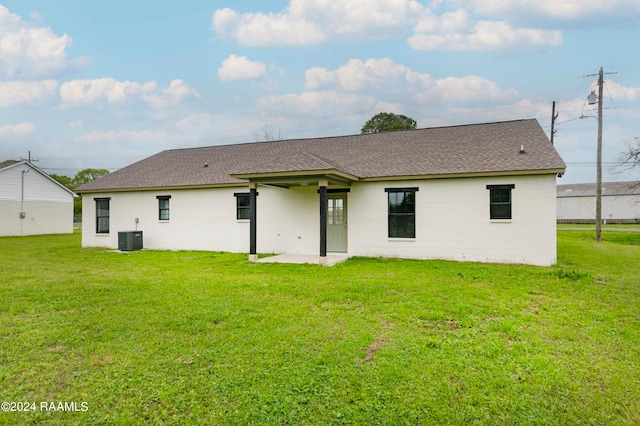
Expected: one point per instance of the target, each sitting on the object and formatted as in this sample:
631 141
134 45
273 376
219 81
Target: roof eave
162 188
257 177
465 175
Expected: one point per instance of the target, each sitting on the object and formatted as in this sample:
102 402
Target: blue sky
86 84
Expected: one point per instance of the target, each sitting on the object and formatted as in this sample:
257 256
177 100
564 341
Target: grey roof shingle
7 164
468 149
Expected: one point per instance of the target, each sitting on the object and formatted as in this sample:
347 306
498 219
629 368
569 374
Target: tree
83 176
630 158
65 180
268 133
88 175
387 122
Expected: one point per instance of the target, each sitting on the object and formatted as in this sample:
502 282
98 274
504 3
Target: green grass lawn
156 337
605 226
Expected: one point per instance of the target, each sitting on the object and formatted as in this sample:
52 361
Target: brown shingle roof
290 162
469 149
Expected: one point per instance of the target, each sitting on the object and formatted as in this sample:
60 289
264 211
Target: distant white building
32 202
620 202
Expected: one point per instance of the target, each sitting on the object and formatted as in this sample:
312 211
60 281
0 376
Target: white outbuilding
481 192
32 202
620 202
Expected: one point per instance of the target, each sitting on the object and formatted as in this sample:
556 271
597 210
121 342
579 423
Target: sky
88 84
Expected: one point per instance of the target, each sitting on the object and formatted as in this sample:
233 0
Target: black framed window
500 201
163 206
402 212
242 206
102 215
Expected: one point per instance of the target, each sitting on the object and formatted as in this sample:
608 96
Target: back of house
481 192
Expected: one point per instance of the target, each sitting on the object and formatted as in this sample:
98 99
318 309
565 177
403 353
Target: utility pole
29 159
554 116
592 100
599 160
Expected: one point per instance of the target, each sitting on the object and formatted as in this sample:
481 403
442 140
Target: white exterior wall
48 208
614 207
205 219
452 221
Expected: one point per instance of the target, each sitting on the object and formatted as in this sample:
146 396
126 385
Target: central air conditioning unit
129 240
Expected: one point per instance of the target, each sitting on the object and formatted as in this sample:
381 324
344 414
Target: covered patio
301 169
331 259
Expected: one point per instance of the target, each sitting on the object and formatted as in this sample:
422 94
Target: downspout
22 213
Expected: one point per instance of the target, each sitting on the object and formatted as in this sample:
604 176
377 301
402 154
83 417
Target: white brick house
484 192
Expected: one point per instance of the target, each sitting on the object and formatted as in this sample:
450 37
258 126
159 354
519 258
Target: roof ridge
355 135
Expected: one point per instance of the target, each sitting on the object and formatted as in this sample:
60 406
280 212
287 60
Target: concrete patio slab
332 259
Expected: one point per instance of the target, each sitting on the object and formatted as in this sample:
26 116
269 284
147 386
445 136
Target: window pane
339 215
402 226
103 225
102 216
336 213
243 213
500 204
402 209
501 211
163 207
395 202
242 206
402 202
500 195
242 200
330 211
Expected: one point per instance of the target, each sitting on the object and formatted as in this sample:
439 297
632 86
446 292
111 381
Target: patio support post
253 253
323 220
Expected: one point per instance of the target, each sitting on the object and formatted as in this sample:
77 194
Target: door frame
338 195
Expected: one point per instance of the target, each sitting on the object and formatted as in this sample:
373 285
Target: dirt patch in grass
381 339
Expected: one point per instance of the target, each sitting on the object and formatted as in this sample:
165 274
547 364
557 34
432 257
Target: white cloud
20 130
309 22
448 22
523 108
82 92
27 50
466 89
26 92
111 91
563 10
177 92
318 104
121 136
358 75
236 68
617 91
258 29
372 74
481 36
